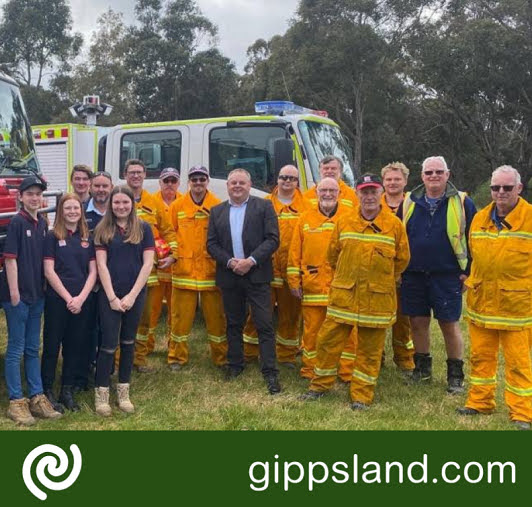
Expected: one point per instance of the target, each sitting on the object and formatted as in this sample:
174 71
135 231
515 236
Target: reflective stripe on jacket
347 195
287 216
499 289
308 267
195 269
367 258
148 210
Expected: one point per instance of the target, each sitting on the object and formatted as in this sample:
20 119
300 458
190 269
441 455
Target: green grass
197 398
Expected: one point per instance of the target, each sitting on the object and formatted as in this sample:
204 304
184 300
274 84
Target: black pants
236 300
69 331
117 328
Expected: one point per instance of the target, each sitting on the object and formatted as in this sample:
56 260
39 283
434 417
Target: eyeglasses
506 188
134 173
285 177
198 179
438 172
170 180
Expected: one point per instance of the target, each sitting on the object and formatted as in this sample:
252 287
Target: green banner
257 468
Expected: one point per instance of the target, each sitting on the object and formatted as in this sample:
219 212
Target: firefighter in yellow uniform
394 180
193 275
169 183
309 275
147 210
499 300
332 167
288 203
368 252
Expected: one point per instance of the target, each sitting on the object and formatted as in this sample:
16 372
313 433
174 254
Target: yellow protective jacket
499 288
148 210
347 195
287 216
308 267
164 275
367 258
387 206
195 269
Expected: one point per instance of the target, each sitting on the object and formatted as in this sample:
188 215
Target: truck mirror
283 154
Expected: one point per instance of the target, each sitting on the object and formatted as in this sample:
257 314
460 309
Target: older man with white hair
437 218
499 300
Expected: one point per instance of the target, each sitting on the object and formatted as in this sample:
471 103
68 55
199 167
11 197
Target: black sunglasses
506 188
285 177
170 180
201 179
439 172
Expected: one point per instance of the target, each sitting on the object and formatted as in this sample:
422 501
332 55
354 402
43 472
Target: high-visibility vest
456 224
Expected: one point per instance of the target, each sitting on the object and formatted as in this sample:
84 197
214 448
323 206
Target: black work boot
67 399
49 393
422 368
455 376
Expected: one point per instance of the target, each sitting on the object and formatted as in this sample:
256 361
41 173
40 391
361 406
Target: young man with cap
22 296
193 275
147 210
368 252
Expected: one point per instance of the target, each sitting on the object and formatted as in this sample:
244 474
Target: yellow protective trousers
517 371
332 339
402 344
313 318
184 304
288 326
144 330
161 292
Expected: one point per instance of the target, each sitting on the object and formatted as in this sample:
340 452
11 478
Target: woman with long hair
70 270
125 251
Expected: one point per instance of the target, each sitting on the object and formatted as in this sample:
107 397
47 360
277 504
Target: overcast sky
239 22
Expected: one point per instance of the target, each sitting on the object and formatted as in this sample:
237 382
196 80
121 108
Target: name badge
61 242
28 233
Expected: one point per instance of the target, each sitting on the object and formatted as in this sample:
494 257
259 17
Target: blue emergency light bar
283 107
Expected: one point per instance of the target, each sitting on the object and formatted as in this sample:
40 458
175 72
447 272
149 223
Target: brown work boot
19 411
40 406
124 404
101 401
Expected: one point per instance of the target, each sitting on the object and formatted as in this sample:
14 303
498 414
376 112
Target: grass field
197 398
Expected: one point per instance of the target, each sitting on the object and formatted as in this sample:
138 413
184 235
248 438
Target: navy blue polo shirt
125 260
91 215
71 257
25 243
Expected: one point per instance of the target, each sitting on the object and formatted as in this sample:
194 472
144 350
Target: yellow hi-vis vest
456 224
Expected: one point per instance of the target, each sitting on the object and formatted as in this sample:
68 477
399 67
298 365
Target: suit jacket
260 238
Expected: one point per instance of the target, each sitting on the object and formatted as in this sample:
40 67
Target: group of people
341 264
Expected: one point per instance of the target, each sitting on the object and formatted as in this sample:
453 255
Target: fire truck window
247 147
157 150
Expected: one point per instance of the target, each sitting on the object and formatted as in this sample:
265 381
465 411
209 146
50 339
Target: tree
36 35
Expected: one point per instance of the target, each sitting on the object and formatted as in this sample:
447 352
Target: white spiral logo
55 466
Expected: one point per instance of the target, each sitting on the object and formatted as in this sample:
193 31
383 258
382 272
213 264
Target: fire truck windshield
321 139
17 151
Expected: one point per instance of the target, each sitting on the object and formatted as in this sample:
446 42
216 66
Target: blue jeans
23 339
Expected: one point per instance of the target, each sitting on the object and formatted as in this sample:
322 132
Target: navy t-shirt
71 256
25 243
125 260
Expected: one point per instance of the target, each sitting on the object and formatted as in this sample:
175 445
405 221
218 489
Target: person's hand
15 298
75 304
116 305
463 278
127 302
231 264
243 266
298 293
166 262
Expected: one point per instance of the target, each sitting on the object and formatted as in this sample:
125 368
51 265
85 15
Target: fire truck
17 152
278 133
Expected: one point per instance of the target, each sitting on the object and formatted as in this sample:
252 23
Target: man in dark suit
243 235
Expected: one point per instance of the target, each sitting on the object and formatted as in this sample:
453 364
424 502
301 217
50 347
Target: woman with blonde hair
70 270
124 255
